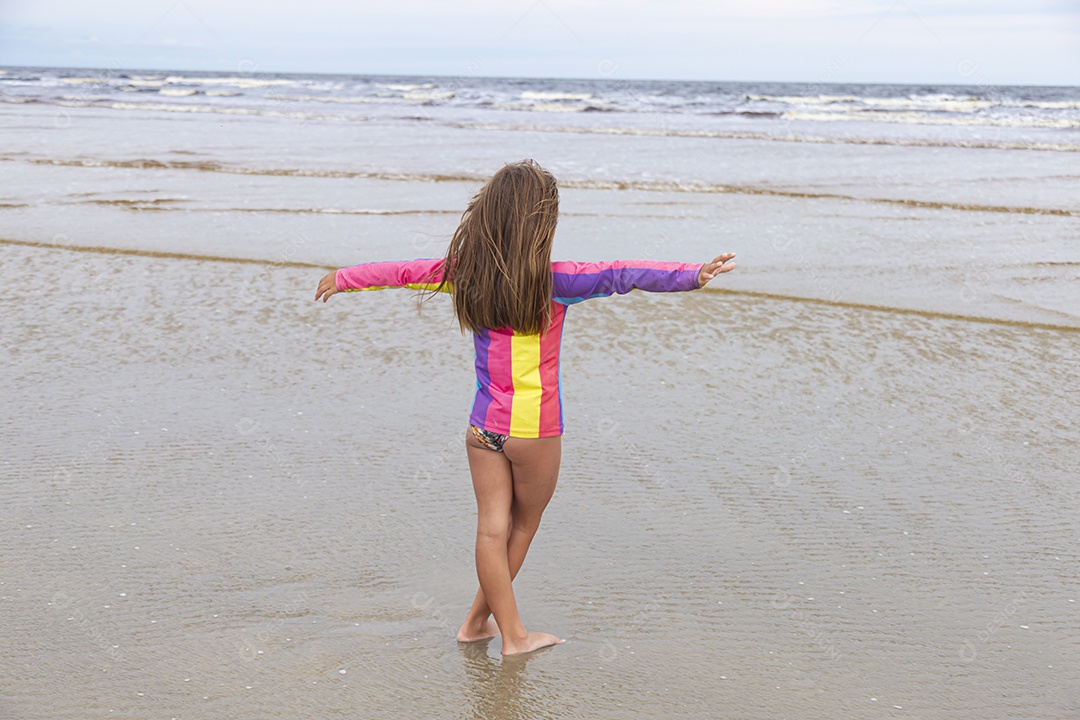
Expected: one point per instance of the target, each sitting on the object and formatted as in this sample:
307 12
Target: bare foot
470 633
532 641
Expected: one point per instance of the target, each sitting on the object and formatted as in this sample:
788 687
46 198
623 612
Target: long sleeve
424 274
577 281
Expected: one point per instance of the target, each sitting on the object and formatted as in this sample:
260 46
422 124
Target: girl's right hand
717 265
327 286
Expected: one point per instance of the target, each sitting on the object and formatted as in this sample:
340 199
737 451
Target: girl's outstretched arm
425 274
575 281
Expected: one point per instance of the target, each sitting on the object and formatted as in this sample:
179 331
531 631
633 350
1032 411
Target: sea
839 482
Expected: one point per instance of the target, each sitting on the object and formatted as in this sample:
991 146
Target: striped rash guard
517 376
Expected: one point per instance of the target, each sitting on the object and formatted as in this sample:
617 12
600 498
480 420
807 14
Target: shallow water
221 499
976 233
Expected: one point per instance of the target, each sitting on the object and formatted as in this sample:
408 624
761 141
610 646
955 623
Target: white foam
788 137
233 81
937 103
538 95
332 99
405 87
799 99
424 96
75 101
945 103
916 118
541 107
1049 104
1002 117
178 92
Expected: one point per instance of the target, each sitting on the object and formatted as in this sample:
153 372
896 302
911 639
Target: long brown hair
498 265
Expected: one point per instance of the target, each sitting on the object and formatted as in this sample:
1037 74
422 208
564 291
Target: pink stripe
573 267
502 383
550 413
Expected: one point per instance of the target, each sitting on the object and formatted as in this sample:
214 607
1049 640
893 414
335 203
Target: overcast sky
1036 42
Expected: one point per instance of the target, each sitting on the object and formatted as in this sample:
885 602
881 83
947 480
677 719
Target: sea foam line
788 137
634 185
629 131
167 205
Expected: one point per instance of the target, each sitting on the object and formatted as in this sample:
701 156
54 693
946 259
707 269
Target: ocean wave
938 102
839 99
360 100
1046 104
782 134
77 101
746 113
425 96
405 87
1008 107
543 107
795 99
542 95
159 81
921 119
179 92
844 103
240 82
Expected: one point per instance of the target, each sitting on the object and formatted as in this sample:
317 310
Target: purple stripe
481 341
622 280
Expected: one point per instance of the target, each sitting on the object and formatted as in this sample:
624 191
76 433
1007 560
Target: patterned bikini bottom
490 440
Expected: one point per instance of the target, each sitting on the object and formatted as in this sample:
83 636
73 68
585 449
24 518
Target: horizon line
461 78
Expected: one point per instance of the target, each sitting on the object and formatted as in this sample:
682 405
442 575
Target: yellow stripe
525 367
448 287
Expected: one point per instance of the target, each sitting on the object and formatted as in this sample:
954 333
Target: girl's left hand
719 264
327 286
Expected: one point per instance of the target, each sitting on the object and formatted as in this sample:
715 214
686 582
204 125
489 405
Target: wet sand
224 506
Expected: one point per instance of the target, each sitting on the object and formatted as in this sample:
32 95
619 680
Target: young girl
512 297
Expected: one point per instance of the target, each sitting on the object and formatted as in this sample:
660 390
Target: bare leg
534 474
523 476
479 625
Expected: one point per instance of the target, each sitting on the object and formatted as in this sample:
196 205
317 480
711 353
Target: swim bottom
490 440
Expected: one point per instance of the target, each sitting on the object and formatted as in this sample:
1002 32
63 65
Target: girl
509 294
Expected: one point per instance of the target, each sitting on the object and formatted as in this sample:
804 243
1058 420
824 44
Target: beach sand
766 508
